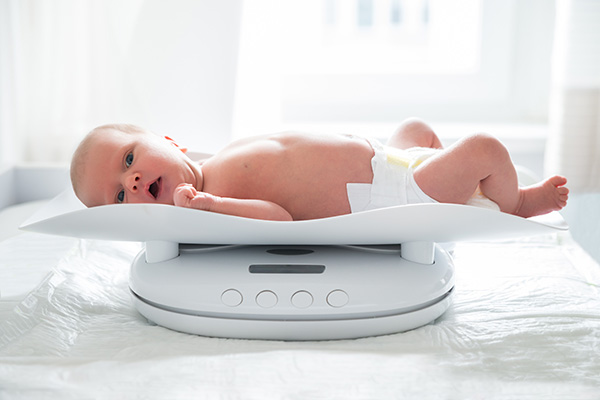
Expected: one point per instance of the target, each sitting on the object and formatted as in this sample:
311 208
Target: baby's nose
134 181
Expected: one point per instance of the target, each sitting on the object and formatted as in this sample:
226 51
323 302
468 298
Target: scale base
292 292
292 330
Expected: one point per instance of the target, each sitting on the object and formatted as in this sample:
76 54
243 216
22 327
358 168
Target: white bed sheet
525 324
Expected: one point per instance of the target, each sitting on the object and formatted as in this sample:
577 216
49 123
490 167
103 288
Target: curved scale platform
410 223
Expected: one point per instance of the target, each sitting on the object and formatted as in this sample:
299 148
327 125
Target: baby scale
370 273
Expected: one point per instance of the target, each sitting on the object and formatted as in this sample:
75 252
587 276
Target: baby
293 176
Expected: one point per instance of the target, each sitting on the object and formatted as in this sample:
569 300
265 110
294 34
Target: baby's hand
186 195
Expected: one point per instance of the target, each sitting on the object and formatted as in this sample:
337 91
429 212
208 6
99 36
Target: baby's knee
415 124
487 145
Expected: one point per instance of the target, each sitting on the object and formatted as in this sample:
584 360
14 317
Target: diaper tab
403 158
397 159
359 196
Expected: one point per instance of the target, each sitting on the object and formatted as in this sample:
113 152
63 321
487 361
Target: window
383 60
385 37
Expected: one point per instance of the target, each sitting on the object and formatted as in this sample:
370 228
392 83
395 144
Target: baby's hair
80 154
125 128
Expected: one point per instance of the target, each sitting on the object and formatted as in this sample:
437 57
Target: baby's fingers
187 196
183 194
202 201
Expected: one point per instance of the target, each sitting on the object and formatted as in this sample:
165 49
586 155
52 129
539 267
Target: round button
231 298
302 299
337 298
266 299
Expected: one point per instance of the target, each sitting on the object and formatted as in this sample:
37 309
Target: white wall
182 69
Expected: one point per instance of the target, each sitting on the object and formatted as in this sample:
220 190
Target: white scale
370 273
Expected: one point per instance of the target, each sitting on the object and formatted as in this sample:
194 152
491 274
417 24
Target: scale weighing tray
355 275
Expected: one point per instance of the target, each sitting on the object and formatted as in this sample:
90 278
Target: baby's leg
453 175
414 133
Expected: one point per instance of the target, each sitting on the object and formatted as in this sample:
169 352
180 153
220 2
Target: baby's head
123 163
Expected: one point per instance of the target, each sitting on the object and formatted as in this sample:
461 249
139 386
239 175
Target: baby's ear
174 143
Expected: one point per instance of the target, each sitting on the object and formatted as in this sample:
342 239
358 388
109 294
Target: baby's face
133 168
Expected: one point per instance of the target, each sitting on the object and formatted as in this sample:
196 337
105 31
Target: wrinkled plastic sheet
525 324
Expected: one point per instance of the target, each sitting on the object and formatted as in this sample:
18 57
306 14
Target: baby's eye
129 160
120 196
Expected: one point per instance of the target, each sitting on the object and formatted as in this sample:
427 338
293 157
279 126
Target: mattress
525 324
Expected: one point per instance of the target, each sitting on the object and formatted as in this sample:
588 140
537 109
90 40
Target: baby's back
304 173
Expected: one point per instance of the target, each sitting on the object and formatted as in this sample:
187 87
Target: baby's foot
542 198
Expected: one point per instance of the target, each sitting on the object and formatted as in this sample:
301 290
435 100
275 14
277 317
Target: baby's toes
558 180
561 199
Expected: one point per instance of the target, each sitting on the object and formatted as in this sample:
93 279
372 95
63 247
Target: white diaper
393 181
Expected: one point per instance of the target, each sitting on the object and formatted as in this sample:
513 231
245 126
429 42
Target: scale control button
302 299
266 299
231 298
337 298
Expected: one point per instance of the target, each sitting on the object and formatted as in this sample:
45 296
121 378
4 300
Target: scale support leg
421 252
159 251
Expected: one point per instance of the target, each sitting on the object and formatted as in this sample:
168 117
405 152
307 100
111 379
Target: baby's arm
186 195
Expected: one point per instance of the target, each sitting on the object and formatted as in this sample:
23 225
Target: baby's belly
318 205
305 175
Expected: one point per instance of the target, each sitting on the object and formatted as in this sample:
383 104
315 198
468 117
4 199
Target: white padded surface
524 325
12 217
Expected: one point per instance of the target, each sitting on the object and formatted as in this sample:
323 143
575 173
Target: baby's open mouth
154 188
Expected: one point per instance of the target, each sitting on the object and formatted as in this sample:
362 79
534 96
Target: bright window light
364 61
382 37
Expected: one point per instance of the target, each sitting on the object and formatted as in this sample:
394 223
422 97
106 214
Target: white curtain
9 148
60 71
67 66
574 143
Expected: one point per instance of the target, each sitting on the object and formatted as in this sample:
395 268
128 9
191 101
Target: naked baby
296 176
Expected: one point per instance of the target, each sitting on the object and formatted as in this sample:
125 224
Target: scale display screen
286 269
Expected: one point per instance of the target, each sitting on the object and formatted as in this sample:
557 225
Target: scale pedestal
421 252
